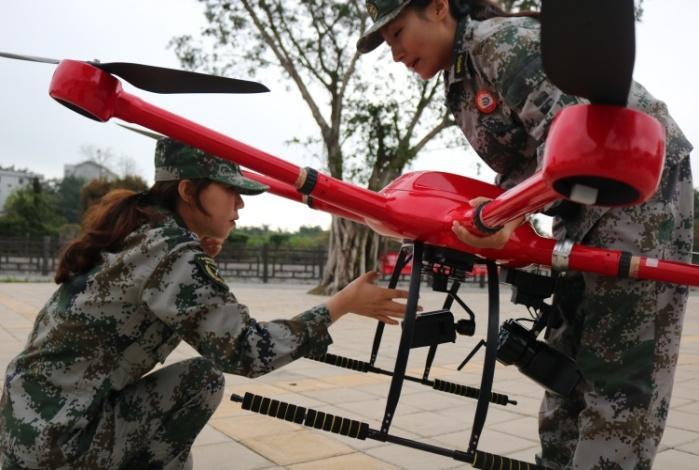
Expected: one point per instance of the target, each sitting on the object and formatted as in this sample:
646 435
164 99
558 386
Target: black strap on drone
433 348
403 259
406 339
489 362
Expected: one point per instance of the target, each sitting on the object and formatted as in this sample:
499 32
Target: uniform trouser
152 423
625 337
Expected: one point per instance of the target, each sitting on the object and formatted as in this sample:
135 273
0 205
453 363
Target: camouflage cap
382 12
177 161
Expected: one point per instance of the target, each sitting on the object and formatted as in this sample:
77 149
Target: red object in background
388 264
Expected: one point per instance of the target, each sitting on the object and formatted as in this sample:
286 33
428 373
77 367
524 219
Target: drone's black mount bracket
442 265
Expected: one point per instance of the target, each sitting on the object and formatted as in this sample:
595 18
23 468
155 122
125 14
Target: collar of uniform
458 69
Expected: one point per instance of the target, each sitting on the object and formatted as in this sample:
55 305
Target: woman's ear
184 190
440 8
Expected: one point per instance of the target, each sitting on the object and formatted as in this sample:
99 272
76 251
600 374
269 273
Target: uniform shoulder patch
209 269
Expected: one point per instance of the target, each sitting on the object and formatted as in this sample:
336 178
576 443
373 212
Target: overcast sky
38 134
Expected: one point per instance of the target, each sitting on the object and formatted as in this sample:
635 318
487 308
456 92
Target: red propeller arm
417 206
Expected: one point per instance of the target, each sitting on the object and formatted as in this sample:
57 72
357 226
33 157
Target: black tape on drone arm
406 339
624 264
392 283
496 462
489 361
300 415
466 391
344 362
310 183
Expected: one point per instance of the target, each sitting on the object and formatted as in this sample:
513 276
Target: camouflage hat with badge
382 12
177 161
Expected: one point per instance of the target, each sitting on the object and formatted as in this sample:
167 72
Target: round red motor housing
604 155
85 89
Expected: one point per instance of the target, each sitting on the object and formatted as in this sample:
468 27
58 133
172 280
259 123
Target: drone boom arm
421 206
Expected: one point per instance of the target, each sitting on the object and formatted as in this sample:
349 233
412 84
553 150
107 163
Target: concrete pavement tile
228 408
300 399
378 390
353 380
304 385
522 427
410 459
346 462
373 409
427 424
296 447
20 334
10 319
690 447
673 437
691 407
432 400
209 436
339 395
673 459
227 456
256 388
677 402
686 421
490 441
525 455
254 425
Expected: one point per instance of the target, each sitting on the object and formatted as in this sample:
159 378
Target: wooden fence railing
39 255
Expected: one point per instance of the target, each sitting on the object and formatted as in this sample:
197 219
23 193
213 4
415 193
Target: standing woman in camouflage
624 334
138 280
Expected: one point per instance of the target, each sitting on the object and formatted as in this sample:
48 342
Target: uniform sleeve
186 292
509 57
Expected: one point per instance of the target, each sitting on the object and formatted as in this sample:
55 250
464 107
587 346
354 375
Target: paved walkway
236 439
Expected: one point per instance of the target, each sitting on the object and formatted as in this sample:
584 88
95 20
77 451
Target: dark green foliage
31 210
306 237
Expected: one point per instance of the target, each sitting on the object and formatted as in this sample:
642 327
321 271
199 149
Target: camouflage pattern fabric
381 12
623 334
77 397
176 161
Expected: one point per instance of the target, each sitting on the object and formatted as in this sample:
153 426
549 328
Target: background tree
95 189
31 210
68 198
367 132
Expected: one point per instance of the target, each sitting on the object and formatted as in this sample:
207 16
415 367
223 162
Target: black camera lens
551 369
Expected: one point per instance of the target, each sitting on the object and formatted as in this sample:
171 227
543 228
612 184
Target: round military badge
485 101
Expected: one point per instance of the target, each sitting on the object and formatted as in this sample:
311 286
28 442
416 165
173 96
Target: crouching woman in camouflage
624 334
137 281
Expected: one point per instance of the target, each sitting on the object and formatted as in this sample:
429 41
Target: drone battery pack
432 328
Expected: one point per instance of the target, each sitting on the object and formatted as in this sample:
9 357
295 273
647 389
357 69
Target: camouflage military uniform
77 396
624 334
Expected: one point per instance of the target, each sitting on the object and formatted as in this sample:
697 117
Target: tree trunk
353 250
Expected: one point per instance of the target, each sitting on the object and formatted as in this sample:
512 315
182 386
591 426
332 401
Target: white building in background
88 170
11 180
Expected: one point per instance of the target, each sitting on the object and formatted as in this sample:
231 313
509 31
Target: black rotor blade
164 80
145 132
588 47
30 58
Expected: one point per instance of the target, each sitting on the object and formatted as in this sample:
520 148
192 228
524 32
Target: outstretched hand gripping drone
602 153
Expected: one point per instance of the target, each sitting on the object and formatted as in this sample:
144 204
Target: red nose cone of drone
85 89
606 155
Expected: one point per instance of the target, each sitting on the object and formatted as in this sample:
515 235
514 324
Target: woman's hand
365 298
211 246
496 240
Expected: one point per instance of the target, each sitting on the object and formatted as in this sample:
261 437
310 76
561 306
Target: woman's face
222 204
422 40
